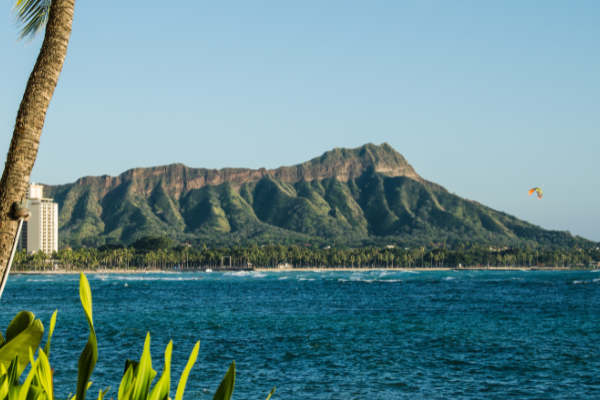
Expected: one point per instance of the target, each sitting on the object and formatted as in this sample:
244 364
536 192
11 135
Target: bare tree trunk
30 120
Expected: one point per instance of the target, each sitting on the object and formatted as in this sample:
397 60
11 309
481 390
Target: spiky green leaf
161 390
225 390
24 390
13 371
89 355
186 372
103 393
126 382
144 374
45 375
31 16
52 324
271 393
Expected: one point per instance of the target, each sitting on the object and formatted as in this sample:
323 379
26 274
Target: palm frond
31 16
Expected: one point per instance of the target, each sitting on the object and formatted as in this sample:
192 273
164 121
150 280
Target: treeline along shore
159 253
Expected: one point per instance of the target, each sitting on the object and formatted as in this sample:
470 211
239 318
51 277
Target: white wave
237 273
258 275
282 278
449 278
371 280
357 276
577 282
408 272
597 280
151 278
306 279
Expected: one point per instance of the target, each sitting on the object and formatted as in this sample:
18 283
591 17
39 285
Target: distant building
41 231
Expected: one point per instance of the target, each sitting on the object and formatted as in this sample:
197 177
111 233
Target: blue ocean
334 335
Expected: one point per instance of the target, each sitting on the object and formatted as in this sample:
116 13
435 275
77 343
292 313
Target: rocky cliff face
351 196
178 179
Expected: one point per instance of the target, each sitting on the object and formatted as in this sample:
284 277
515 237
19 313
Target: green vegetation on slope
387 202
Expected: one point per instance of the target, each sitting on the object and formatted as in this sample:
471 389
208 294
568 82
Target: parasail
538 190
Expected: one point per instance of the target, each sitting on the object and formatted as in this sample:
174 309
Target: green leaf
3 382
20 323
36 379
24 390
126 382
32 16
103 393
186 372
156 390
45 374
271 393
14 391
12 379
36 393
13 371
225 390
89 355
52 323
85 294
163 386
131 363
29 338
2 340
74 397
128 393
144 374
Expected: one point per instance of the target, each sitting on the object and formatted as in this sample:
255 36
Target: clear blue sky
487 99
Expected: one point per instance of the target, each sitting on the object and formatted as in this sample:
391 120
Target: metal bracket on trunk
21 211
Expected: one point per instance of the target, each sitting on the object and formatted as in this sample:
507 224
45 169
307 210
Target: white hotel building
41 231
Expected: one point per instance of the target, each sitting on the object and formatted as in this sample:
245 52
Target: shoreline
337 269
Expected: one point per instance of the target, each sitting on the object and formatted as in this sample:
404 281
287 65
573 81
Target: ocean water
335 335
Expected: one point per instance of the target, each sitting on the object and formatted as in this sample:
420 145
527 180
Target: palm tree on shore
56 16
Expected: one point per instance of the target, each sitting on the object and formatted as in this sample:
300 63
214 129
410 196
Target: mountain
367 195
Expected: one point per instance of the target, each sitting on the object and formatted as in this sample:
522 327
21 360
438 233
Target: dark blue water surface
335 335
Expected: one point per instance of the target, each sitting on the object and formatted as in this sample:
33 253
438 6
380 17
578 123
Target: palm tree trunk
30 119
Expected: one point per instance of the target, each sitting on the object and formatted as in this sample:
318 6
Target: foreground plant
24 334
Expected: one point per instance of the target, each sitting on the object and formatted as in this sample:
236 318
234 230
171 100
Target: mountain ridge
341 163
350 196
